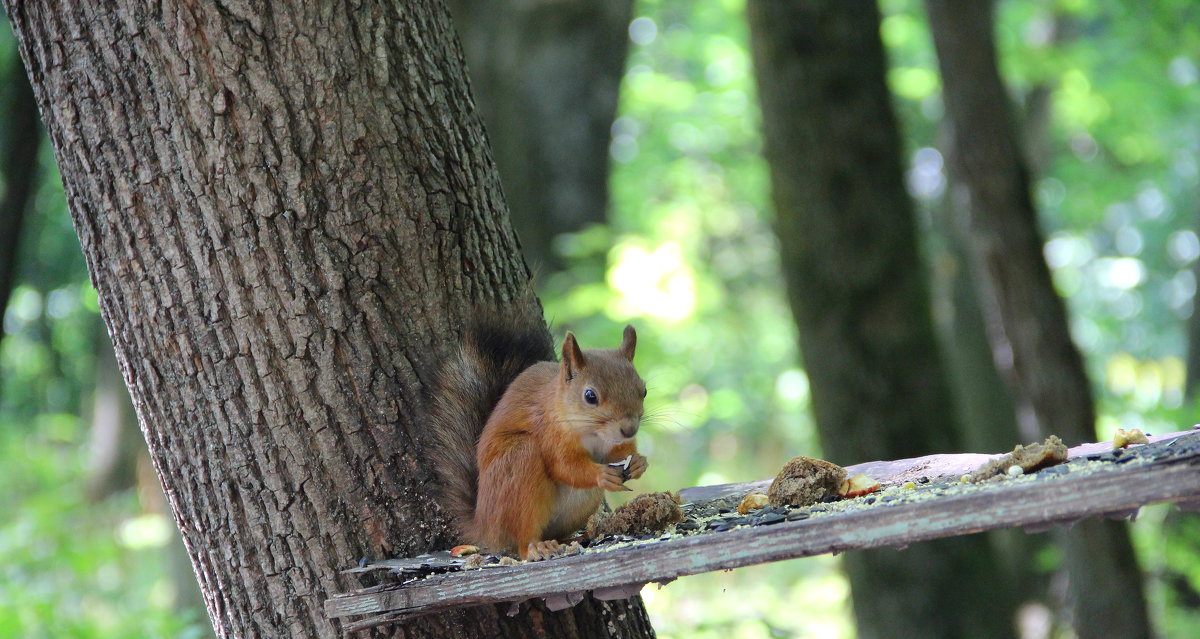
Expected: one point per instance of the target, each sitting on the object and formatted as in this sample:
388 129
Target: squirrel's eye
589 396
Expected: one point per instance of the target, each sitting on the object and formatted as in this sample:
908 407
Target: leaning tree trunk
1030 319
545 76
859 294
288 209
986 406
1178 525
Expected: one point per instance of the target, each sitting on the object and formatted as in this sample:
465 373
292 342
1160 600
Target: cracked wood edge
980 508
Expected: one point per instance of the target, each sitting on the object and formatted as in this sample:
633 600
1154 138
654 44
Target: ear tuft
628 343
572 357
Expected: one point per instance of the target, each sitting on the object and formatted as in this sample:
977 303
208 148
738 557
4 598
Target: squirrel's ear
628 343
572 357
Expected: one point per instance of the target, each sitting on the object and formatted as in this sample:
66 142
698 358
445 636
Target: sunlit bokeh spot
656 282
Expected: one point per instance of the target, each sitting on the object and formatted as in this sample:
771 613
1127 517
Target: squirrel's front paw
637 466
540 550
610 478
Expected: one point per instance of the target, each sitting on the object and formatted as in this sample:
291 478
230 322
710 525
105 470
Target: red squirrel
524 444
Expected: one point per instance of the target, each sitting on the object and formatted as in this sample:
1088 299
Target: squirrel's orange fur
540 465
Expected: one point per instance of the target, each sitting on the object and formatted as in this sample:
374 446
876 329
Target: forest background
1106 93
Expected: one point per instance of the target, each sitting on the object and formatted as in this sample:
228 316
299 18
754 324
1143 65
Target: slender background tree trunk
287 211
986 406
1029 321
114 442
985 399
22 138
118 461
1181 529
1003 234
545 76
858 290
1191 386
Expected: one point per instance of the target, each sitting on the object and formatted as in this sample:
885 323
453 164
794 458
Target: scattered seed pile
1029 459
649 513
805 481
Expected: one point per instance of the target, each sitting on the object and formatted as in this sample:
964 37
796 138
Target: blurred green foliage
69 568
689 258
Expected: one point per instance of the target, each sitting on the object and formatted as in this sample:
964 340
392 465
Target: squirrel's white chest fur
572 507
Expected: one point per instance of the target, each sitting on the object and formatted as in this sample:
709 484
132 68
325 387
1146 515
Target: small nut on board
1030 458
753 501
1123 438
857 486
805 481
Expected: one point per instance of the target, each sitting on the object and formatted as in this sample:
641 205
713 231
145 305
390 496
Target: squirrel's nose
629 430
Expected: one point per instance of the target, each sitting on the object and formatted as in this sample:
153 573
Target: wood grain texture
287 209
1056 500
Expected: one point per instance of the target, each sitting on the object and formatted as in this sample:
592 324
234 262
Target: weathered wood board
1096 482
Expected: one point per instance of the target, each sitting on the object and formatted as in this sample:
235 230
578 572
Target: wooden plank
1110 488
900 470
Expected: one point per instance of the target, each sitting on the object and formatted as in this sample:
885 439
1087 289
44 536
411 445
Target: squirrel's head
602 393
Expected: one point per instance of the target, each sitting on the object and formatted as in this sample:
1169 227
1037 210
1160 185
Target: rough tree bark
1029 321
545 76
287 209
859 294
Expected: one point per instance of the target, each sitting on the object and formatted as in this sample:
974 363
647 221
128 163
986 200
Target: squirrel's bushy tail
492 353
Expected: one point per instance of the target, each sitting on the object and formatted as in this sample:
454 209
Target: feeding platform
922 499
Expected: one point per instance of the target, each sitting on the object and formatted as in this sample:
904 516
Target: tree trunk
22 137
1003 230
1179 527
288 210
1030 332
1191 385
545 76
986 408
858 291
